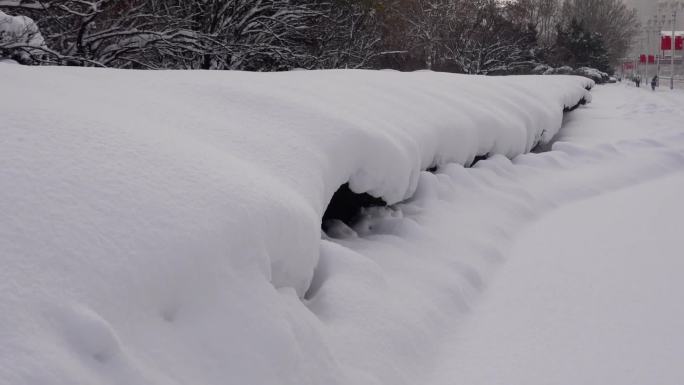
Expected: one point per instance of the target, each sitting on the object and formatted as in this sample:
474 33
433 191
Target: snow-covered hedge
20 38
146 214
593 74
588 72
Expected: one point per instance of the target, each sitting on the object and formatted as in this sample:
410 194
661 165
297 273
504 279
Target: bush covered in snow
597 76
20 39
564 70
541 69
593 74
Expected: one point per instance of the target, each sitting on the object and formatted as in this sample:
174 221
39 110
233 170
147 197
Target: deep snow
164 227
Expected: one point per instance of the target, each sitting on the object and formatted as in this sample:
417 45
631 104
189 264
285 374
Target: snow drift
162 227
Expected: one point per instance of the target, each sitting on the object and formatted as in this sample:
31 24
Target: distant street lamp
648 48
672 67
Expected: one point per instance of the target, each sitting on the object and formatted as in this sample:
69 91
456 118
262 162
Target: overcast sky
641 5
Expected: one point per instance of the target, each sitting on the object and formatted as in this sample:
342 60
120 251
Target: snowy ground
171 235
625 112
591 294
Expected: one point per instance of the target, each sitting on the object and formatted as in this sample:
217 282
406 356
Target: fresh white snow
625 112
591 294
164 227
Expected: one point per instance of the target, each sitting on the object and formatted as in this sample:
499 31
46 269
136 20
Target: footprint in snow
88 333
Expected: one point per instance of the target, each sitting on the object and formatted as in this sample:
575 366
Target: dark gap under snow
346 205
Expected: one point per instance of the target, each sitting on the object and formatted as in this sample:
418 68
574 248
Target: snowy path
592 292
622 112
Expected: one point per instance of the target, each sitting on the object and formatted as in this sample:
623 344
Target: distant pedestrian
654 82
637 80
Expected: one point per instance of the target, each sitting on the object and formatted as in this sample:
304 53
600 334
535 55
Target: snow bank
161 227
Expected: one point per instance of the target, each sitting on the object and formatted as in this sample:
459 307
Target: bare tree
253 34
110 33
544 15
347 35
211 34
494 43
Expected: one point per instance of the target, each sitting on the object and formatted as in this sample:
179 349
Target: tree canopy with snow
465 36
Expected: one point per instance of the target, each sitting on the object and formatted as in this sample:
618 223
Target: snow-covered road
591 293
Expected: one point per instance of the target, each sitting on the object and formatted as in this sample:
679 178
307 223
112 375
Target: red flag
651 59
666 43
679 43
642 59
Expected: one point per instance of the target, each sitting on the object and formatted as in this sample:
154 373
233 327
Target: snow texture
585 301
164 227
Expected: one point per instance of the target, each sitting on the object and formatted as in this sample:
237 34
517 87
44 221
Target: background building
655 18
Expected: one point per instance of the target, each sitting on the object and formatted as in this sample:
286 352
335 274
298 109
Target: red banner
643 59
628 65
666 43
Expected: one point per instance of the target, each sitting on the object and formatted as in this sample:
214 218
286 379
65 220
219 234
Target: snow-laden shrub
564 70
541 69
593 74
20 39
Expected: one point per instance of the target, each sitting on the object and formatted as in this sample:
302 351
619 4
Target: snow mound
162 227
